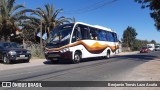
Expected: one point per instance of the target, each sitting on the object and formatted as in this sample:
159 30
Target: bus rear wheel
108 55
77 58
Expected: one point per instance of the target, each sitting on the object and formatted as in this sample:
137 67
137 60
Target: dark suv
11 51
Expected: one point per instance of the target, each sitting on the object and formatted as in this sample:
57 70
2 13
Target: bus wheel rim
77 58
108 55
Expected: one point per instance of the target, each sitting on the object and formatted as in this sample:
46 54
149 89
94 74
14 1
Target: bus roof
95 26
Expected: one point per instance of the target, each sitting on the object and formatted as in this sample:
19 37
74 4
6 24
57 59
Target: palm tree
30 27
46 21
11 15
48 18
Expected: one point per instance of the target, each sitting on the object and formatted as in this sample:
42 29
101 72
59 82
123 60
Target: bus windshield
61 35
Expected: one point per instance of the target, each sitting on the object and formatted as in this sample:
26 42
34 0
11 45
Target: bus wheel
108 55
77 57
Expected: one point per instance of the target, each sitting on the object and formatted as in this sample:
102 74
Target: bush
35 50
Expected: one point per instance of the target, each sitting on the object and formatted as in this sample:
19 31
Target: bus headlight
64 50
61 51
67 49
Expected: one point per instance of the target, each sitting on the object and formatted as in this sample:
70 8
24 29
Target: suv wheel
6 60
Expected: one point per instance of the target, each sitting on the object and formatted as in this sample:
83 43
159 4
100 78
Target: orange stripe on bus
95 48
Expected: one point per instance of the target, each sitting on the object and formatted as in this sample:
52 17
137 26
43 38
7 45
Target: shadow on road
67 62
59 63
15 62
144 57
139 57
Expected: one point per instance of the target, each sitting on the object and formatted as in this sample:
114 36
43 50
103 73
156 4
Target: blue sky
117 16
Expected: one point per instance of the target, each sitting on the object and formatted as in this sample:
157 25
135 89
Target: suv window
5 45
15 45
1 47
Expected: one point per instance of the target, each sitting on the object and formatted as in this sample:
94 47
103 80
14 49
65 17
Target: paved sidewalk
33 62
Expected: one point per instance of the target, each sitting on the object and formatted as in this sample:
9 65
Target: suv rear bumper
19 57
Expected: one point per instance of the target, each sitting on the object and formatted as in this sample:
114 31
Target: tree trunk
24 46
41 43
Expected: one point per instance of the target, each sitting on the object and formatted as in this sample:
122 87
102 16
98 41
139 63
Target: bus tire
77 58
108 54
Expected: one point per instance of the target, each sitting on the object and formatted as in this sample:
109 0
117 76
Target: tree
153 41
138 44
0 23
11 15
129 36
154 6
45 22
48 18
30 28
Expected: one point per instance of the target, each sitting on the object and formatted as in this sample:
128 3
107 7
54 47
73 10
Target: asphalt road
116 68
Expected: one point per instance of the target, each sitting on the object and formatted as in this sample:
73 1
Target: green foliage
153 41
129 36
0 22
154 6
29 29
10 17
49 18
138 44
34 49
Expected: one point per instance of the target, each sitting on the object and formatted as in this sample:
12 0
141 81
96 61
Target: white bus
78 40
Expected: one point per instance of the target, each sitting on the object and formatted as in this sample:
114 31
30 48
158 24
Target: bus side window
76 34
93 34
110 36
102 35
84 32
115 37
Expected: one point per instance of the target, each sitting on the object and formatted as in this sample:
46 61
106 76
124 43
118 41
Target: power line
92 7
84 8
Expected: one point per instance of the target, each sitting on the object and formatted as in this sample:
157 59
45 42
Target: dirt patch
149 71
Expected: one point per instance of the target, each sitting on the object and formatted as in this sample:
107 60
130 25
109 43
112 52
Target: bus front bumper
58 55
